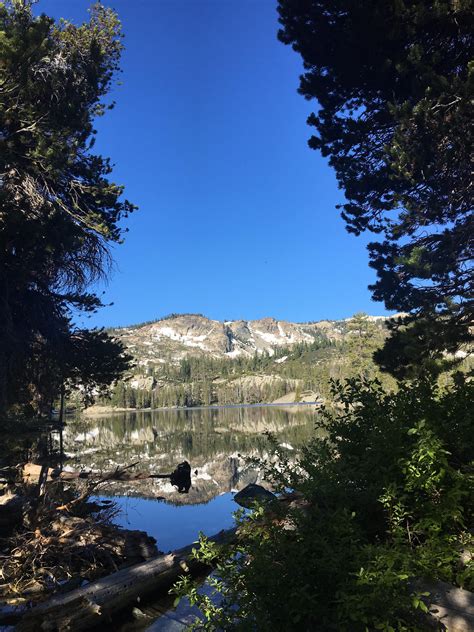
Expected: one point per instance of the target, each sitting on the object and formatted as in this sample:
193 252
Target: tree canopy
394 85
59 210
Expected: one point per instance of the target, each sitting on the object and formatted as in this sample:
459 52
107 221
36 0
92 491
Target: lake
215 441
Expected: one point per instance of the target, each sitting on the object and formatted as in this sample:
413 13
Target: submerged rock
253 493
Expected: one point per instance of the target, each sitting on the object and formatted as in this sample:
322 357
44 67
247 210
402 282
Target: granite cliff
182 335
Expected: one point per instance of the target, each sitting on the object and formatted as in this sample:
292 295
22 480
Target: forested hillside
172 370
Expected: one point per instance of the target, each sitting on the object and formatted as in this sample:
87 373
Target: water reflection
215 442
175 526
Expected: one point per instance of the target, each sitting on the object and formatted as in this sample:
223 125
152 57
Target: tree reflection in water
215 441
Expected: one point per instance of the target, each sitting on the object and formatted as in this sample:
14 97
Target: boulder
253 493
11 513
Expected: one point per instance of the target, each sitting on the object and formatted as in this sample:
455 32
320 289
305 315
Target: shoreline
107 410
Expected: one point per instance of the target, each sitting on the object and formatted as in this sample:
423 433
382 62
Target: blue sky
236 215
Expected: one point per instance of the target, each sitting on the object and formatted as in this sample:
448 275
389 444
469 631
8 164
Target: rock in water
181 477
253 493
139 614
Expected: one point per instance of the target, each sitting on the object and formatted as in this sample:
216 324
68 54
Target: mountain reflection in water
215 441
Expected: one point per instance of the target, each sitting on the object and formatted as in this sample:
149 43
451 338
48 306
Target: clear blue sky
236 215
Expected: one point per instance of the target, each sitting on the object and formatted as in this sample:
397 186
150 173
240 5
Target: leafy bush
383 499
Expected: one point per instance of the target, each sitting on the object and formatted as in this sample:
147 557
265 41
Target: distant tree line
202 393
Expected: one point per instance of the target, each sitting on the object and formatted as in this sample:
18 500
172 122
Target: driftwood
94 604
32 473
37 474
40 475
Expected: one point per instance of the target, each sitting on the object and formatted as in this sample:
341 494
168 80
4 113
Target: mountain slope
171 339
190 360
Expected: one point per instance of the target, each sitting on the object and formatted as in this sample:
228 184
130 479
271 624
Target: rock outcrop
172 338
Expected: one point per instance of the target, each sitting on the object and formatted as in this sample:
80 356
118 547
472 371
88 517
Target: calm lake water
215 441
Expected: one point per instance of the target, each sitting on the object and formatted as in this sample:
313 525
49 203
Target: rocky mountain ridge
170 339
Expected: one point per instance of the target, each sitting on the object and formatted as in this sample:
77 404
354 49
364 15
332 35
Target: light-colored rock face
173 338
141 382
194 332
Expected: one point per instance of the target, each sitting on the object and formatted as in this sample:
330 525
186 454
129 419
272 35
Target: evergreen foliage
58 208
395 85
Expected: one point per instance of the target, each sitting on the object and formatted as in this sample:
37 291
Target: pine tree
58 209
395 85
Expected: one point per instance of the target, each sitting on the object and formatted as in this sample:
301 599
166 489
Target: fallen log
453 607
32 473
93 605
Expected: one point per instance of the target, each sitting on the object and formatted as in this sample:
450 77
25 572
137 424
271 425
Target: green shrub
386 499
